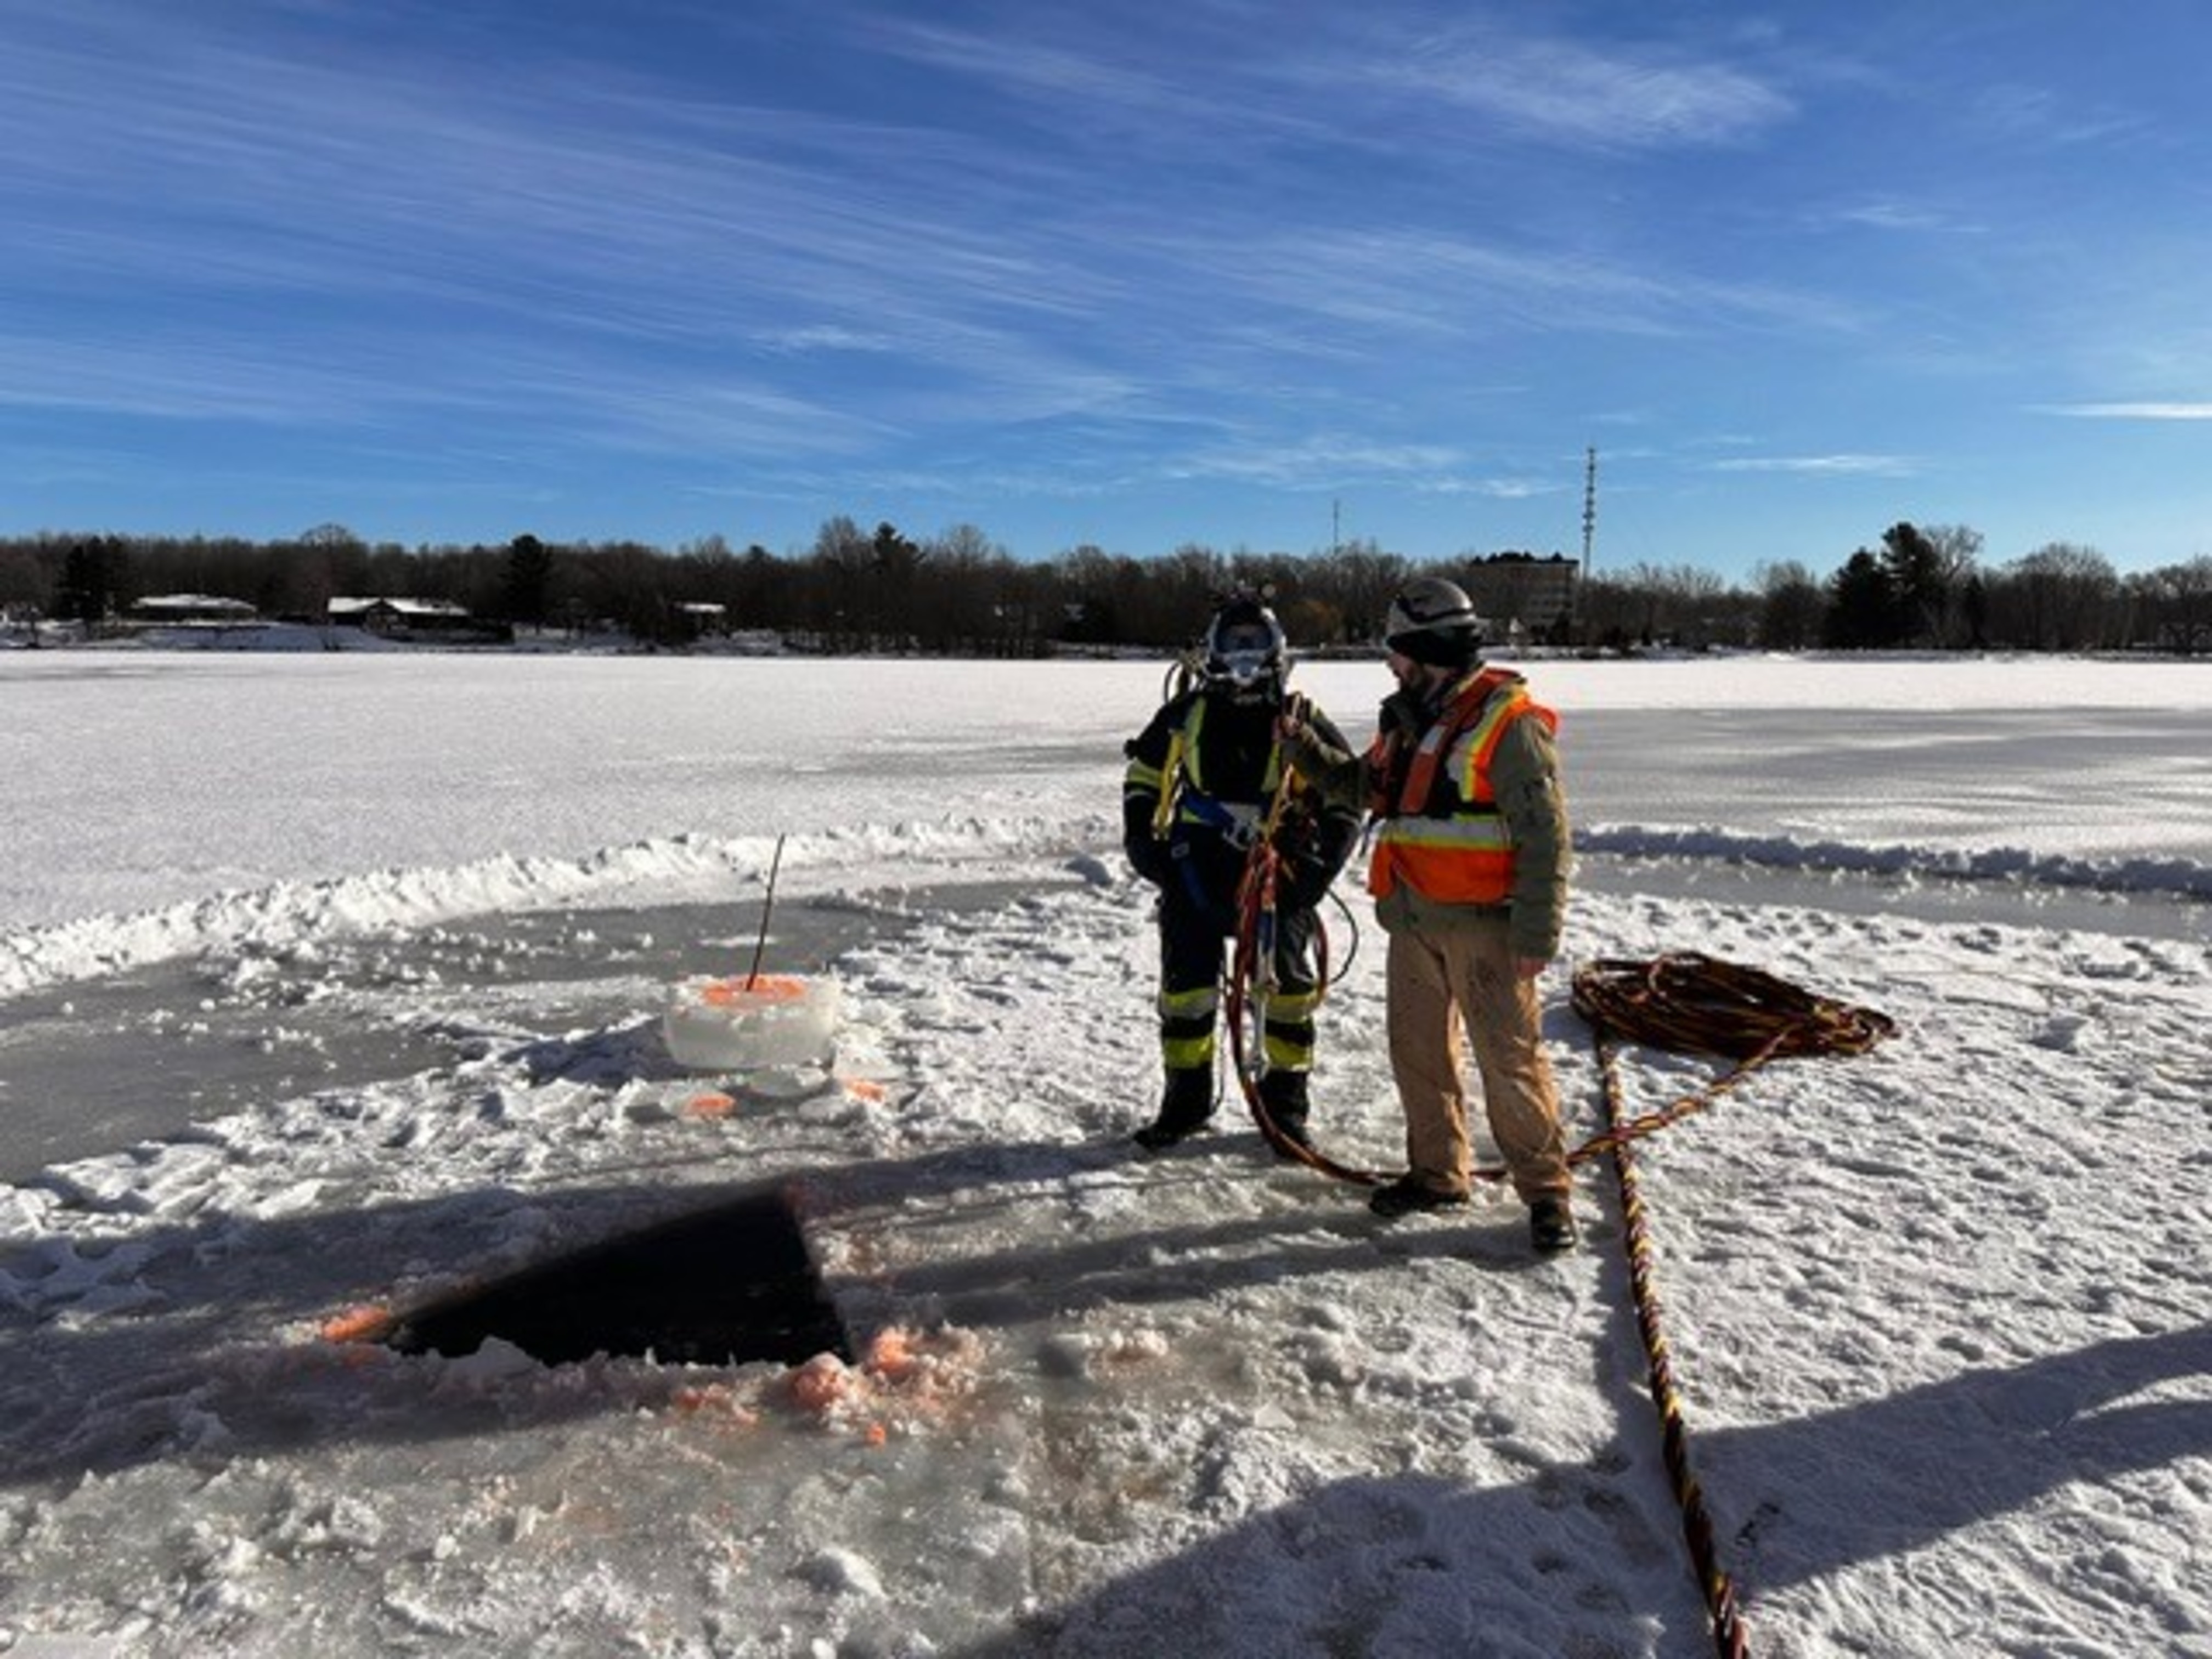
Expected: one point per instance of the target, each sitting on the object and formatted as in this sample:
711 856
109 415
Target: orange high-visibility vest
1451 845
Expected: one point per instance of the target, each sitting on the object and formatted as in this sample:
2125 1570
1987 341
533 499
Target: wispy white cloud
1423 282
2048 117
1612 97
1081 83
1206 74
1234 73
1321 462
982 277
543 396
144 375
2131 411
1499 489
391 164
824 337
699 414
1311 464
364 207
1843 465
1895 214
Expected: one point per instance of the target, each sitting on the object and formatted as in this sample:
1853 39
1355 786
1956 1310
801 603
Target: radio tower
1590 525
1589 506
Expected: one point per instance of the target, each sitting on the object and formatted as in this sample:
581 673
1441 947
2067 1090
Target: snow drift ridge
686 865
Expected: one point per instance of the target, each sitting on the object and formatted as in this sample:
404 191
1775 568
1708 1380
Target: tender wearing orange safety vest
1442 833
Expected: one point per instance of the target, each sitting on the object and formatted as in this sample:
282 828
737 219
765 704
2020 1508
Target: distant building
699 619
171 610
1521 596
407 618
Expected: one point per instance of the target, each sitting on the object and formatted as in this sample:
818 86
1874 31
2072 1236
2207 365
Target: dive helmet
1244 645
1433 621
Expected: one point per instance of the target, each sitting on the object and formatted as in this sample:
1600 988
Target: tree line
961 593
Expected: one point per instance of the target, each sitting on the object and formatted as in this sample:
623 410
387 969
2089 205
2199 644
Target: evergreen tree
1918 587
529 579
93 579
1862 605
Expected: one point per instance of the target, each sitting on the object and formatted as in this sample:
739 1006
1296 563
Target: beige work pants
1441 983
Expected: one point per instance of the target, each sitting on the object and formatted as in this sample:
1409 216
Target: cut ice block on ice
744 1025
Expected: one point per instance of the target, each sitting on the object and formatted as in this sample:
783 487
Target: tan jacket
1524 771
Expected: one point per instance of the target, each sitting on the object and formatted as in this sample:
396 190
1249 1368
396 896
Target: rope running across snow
1683 1001
1694 1003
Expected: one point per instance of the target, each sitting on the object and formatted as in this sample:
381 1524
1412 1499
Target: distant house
409 619
697 619
198 609
19 623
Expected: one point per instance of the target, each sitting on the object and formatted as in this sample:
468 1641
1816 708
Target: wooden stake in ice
753 1022
768 908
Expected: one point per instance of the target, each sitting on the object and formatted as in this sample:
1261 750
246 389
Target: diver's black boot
1185 1107
1287 1100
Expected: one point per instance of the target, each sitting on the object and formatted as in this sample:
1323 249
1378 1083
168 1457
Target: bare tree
1791 605
2062 597
23 578
1700 615
2173 605
841 608
1361 581
1958 551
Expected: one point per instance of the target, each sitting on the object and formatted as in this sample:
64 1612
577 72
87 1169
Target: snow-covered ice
380 944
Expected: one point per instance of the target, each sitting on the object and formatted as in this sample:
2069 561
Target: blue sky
1248 273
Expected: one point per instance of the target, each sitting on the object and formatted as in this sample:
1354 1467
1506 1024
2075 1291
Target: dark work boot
1285 1094
1551 1225
1408 1194
1185 1107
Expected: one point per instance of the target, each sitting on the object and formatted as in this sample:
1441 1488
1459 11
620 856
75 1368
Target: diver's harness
1251 979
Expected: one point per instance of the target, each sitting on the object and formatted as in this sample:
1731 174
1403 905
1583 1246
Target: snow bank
290 914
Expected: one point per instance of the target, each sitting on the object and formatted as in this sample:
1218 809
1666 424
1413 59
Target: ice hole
716 1287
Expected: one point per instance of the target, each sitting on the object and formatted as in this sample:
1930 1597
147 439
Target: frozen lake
142 779
330 986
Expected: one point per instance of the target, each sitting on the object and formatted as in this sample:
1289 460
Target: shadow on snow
92 1392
